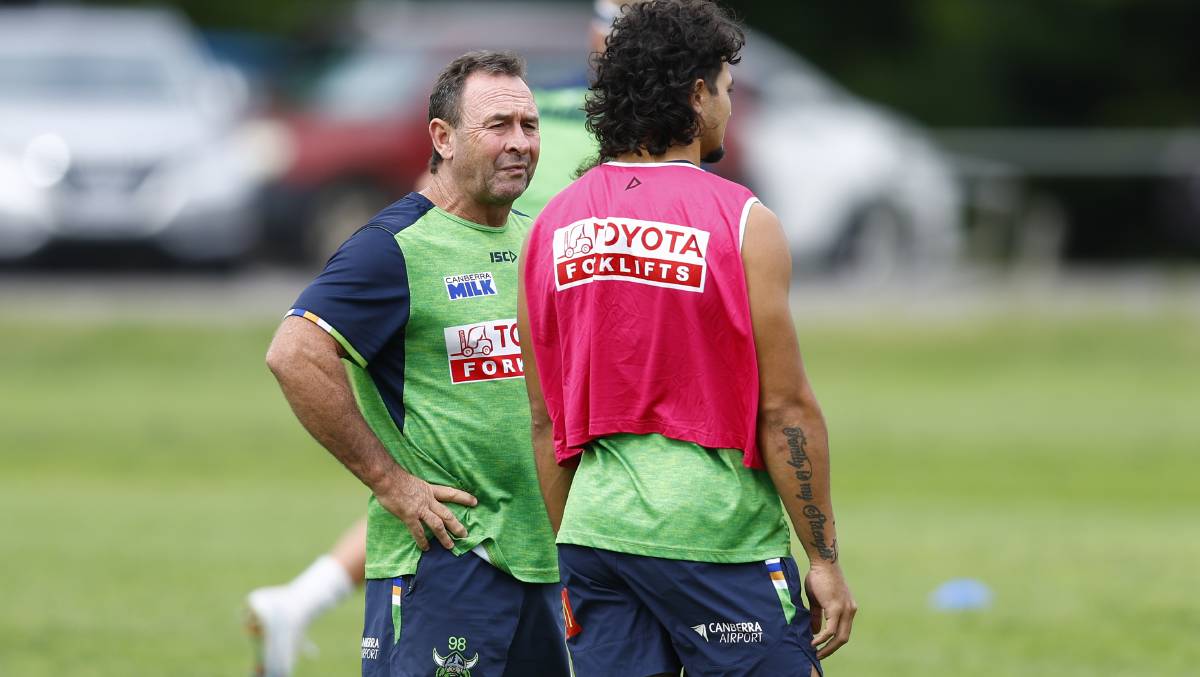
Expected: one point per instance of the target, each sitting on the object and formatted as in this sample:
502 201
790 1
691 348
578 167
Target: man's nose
517 141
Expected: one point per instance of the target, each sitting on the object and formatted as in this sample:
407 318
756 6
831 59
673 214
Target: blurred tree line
943 62
1005 62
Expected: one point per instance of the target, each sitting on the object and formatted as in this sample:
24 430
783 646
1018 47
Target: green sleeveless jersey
658 497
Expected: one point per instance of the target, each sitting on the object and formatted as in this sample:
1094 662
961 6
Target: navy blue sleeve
362 296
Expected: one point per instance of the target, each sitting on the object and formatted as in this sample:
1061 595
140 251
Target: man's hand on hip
831 605
418 504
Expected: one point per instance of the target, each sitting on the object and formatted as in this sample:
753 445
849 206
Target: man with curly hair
671 411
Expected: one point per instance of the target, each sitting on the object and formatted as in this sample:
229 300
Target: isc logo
470 285
486 351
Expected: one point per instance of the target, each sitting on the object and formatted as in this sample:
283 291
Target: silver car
116 126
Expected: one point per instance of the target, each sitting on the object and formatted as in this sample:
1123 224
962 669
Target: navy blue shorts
632 616
461 617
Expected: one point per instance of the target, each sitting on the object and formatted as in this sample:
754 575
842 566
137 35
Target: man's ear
699 95
442 136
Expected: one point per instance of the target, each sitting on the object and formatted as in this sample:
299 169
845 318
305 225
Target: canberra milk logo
745 632
470 285
487 351
645 252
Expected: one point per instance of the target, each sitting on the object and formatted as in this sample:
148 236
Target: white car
856 187
116 126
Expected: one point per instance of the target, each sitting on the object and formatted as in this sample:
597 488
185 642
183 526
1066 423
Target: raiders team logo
455 664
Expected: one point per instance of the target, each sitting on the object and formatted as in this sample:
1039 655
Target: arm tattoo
798 459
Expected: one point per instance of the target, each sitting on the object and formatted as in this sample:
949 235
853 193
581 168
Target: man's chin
507 192
713 156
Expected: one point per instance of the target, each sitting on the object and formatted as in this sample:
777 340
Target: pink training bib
638 308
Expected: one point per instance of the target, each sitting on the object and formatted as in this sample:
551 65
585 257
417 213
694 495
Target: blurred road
264 293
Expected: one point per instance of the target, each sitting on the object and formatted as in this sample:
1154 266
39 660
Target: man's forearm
319 393
796 452
554 480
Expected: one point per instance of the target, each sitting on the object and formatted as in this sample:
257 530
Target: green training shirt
566 144
425 304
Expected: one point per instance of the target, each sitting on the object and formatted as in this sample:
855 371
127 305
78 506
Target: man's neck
444 194
690 153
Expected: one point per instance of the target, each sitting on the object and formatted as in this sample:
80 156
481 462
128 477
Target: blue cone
961 594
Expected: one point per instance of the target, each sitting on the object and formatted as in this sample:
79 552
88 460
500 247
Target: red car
359 135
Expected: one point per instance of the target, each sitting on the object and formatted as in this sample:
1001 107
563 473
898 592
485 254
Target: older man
432 414
279 615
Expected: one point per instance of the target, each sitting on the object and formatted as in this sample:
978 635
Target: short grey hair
445 101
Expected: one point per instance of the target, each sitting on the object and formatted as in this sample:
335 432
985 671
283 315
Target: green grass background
151 474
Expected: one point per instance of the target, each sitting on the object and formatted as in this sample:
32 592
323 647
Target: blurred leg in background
278 616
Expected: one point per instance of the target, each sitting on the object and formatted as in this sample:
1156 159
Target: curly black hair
641 96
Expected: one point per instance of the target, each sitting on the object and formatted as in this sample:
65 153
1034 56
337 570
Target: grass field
151 474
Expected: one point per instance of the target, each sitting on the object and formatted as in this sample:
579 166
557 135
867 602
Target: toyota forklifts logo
486 351
645 252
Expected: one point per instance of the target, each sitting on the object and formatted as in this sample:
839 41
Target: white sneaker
276 628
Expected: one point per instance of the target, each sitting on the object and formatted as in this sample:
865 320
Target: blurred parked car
115 126
1094 193
854 185
358 132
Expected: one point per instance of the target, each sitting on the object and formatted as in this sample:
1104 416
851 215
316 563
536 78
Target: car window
85 77
370 82
556 69
775 72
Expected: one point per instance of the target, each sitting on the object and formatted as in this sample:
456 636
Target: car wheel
339 212
875 244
